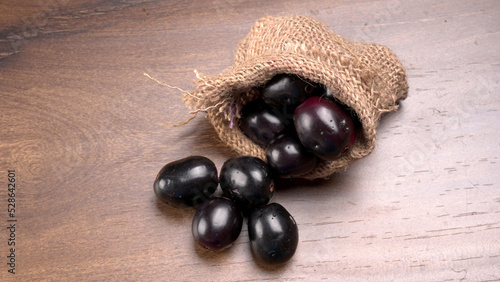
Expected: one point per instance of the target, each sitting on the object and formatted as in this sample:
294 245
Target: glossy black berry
248 181
263 123
217 224
324 128
325 92
289 158
187 182
287 90
273 234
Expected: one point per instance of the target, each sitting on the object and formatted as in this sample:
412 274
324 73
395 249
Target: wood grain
86 133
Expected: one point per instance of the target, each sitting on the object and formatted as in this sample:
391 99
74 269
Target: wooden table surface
84 133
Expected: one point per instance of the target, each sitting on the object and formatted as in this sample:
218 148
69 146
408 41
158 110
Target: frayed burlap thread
367 77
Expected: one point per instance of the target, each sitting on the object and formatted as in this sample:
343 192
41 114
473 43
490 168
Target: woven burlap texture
366 77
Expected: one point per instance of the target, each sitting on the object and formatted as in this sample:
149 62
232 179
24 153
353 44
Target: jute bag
366 77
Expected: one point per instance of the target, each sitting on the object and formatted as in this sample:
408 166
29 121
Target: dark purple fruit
248 181
324 128
217 224
273 234
187 182
325 92
287 90
289 158
263 123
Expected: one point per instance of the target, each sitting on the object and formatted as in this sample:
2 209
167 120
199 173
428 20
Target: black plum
263 123
273 234
287 90
324 128
248 181
187 182
289 158
325 92
217 223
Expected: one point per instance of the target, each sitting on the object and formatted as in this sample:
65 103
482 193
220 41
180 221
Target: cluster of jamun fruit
298 123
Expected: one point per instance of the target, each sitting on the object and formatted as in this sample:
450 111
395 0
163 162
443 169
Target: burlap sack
367 77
